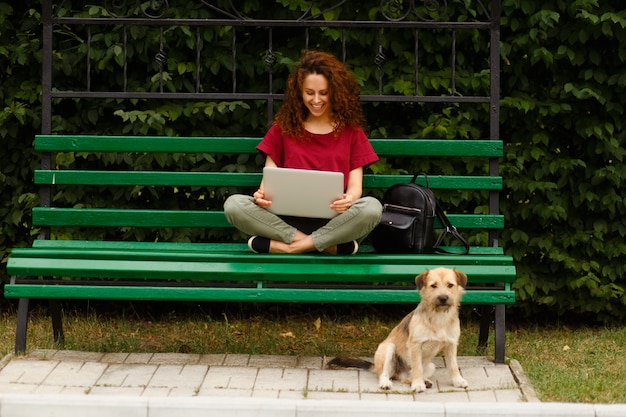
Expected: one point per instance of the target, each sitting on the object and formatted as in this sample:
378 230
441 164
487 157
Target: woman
320 127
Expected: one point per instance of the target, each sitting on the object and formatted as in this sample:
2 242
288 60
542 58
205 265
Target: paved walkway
249 376
57 382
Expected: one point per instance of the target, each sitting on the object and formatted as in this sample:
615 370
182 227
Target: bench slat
180 254
219 247
54 216
438 147
243 145
90 143
235 179
248 271
242 294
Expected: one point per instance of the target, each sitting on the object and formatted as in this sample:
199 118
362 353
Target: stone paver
124 375
174 359
279 379
334 381
179 376
272 361
81 374
223 377
34 373
139 358
214 359
236 360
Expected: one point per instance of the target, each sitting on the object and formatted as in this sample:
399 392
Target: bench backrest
84 213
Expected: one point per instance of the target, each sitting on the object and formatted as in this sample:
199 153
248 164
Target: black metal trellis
410 15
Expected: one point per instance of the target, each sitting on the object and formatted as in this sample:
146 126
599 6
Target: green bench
57 269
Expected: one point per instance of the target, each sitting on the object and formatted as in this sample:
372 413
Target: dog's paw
428 383
418 386
460 383
385 383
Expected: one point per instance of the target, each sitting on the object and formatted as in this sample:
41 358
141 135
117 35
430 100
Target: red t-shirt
344 152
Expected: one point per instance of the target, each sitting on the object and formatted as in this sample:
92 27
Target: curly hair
343 94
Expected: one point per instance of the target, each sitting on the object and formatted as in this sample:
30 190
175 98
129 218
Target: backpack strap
417 175
448 228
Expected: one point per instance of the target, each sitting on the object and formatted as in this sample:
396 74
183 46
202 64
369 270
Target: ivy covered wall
563 86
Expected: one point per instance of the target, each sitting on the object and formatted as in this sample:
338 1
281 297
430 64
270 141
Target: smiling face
316 96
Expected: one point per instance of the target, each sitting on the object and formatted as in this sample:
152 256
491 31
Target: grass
573 364
564 363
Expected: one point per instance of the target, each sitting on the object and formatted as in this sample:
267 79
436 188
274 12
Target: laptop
302 192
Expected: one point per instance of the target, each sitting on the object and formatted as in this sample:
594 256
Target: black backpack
407 222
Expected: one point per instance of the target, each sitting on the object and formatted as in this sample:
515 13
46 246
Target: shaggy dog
433 327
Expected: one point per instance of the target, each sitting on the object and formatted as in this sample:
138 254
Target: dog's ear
420 279
461 278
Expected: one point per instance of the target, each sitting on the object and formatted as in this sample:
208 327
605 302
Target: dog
433 327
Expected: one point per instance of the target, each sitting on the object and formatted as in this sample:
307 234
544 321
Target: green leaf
93 116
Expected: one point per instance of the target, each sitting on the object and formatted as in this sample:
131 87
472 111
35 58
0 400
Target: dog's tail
342 362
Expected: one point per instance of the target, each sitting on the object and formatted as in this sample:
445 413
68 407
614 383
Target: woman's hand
259 199
259 195
343 204
353 192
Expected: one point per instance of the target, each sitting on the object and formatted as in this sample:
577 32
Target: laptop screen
302 192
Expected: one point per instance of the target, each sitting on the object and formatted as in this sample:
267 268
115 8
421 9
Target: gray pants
354 224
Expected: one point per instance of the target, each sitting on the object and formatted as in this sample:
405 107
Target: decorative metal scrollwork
428 10
391 10
161 58
270 59
308 15
380 57
234 15
396 10
153 9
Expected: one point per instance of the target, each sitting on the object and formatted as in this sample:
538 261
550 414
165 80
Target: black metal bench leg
485 325
22 326
499 332
57 321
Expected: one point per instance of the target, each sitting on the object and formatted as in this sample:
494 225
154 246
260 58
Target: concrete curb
6 359
107 406
523 382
